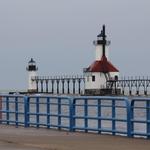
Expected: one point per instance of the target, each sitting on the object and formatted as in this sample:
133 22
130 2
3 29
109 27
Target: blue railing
140 117
113 115
12 110
52 112
101 114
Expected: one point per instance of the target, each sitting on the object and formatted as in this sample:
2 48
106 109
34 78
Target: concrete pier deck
12 138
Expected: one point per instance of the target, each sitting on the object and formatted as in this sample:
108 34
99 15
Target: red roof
102 66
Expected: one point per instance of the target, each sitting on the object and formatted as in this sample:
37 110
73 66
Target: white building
32 72
101 69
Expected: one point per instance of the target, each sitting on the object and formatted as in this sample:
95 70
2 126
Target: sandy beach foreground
12 138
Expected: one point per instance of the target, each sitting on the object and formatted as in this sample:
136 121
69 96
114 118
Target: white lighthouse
32 72
101 70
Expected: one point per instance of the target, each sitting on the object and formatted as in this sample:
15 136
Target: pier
80 122
98 115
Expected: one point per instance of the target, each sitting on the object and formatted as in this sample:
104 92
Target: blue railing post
132 118
128 105
37 112
48 112
148 118
59 113
1 108
16 110
7 110
86 115
26 111
99 115
113 117
71 114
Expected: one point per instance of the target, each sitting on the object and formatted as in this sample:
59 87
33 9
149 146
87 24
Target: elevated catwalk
75 85
131 86
59 84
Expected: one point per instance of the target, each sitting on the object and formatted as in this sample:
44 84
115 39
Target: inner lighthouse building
101 70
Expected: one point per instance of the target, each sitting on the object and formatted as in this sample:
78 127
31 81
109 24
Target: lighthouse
101 70
32 72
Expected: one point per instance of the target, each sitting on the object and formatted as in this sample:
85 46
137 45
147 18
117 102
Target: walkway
12 138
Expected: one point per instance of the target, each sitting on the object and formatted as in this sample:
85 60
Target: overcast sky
58 34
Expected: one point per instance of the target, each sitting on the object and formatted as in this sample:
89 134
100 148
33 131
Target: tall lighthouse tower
101 70
32 72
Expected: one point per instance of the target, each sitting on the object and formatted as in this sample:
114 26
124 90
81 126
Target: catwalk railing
59 84
113 115
131 86
75 85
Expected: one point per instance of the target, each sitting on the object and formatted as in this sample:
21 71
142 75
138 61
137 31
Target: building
32 72
101 70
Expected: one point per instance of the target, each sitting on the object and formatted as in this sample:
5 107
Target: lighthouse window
116 78
93 78
31 68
